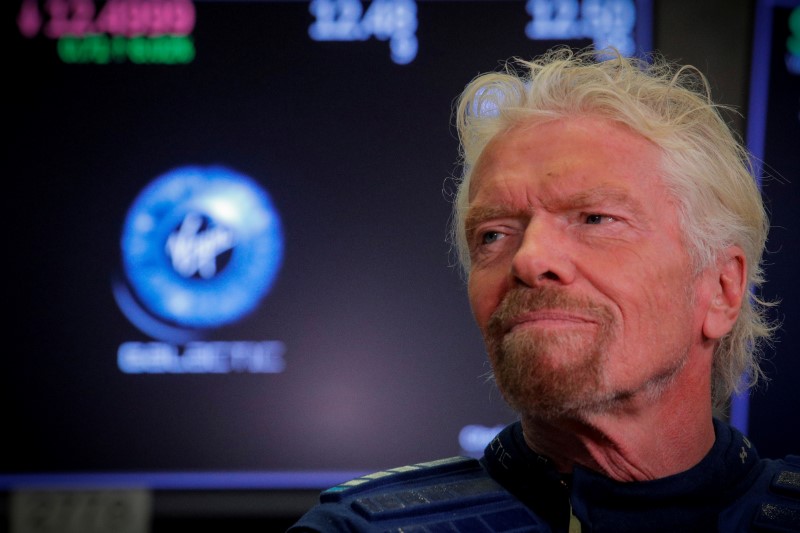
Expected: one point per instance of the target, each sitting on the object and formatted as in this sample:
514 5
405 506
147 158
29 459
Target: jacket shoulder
455 493
773 499
780 508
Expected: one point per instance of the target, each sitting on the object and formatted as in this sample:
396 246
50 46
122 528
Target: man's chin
548 406
549 383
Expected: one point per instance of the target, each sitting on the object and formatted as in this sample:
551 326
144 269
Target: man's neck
642 438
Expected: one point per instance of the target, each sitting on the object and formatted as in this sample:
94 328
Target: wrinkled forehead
589 150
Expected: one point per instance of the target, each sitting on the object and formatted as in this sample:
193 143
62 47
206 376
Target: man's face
579 281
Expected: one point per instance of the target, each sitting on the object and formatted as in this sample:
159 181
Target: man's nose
543 256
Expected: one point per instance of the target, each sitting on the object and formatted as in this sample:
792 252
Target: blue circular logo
201 246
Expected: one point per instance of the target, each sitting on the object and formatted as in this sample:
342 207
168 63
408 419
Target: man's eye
598 219
491 236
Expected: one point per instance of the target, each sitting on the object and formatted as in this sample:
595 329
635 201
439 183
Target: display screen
773 135
229 231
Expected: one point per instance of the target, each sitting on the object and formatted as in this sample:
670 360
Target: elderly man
612 232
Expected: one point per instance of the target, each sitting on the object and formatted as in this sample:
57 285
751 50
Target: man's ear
728 289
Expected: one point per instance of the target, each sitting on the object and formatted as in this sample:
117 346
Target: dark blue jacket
513 489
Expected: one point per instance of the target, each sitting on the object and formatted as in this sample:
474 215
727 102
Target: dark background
718 37
384 364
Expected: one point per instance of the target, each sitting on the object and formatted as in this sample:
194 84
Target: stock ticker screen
229 230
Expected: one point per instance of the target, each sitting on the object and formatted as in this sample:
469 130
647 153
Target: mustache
522 300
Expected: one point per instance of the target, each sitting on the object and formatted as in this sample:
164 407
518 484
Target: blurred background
230 282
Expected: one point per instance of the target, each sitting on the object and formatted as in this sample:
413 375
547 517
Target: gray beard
549 374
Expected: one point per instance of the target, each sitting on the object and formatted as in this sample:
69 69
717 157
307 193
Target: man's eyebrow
597 197
478 214
594 197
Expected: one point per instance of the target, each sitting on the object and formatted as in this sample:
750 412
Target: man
612 232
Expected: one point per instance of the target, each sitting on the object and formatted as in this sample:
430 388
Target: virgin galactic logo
201 247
